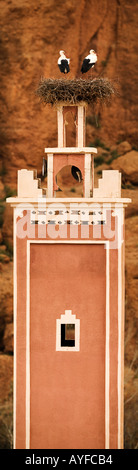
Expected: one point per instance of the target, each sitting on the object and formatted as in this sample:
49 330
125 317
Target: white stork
89 61
63 63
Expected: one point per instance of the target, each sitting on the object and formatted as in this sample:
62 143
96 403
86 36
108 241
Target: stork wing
86 65
64 66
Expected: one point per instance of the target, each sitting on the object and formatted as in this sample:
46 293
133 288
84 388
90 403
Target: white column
50 175
80 128
87 175
60 119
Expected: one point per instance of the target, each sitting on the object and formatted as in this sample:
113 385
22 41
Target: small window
68 332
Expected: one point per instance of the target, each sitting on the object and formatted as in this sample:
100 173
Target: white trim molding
120 327
50 175
28 350
70 150
15 330
81 127
87 172
60 121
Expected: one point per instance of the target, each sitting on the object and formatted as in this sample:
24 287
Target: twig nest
53 91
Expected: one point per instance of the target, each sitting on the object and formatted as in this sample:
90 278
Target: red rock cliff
32 33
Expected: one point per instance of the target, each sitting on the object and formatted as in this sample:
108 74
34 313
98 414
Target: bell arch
69 178
65 161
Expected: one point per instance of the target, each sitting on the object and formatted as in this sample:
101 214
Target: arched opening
69 181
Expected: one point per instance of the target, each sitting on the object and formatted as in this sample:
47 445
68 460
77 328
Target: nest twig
74 91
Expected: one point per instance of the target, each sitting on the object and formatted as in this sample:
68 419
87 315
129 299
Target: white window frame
67 318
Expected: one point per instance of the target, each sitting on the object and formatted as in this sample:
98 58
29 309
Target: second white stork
63 63
89 61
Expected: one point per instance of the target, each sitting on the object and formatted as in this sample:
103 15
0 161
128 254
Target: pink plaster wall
87 268
68 388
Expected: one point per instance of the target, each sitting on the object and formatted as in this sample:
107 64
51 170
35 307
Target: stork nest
54 91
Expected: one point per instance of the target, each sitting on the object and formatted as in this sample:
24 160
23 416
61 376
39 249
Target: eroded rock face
123 147
8 339
6 373
128 165
6 401
31 37
7 227
2 192
6 302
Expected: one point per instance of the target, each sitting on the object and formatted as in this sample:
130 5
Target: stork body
63 63
89 61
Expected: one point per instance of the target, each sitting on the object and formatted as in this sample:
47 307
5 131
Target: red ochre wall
67 406
67 388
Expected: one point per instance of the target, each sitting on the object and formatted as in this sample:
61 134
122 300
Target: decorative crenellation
109 185
29 185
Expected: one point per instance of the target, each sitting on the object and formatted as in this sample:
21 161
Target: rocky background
32 33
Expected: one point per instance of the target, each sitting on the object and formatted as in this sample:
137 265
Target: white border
50 175
70 150
107 351
80 127
28 349
120 320
87 174
15 329
107 417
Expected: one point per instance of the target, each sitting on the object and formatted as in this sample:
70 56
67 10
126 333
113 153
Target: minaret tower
69 302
